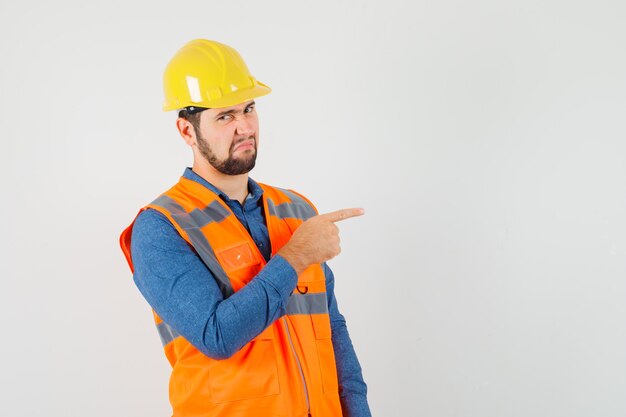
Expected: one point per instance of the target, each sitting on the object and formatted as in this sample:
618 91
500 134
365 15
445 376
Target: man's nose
244 126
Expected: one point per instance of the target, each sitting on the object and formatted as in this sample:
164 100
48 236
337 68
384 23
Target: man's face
228 138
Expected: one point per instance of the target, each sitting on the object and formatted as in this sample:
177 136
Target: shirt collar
254 190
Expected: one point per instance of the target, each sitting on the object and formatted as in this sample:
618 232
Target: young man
235 270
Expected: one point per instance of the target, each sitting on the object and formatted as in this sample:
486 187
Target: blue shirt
183 292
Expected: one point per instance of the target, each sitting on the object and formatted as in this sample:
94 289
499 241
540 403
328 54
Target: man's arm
183 292
352 388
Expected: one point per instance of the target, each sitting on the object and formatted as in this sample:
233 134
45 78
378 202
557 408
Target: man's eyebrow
231 111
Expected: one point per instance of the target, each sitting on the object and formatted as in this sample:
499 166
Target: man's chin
244 154
241 167
245 157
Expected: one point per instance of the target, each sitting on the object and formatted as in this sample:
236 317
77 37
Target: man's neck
234 186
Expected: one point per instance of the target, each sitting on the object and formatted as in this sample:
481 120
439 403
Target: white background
485 139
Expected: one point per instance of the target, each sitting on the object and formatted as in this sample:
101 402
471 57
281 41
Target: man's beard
229 166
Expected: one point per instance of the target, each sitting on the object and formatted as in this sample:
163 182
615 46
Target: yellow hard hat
208 74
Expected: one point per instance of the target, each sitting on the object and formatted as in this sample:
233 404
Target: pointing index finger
343 214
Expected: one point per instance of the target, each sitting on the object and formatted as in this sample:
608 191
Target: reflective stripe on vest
191 223
166 333
298 304
296 209
307 304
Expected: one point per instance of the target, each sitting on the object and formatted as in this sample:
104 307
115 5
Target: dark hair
192 114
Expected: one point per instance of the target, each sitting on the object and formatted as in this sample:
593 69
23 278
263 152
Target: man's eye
225 117
249 109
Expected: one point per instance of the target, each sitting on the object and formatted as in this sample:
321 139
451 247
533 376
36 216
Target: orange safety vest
289 369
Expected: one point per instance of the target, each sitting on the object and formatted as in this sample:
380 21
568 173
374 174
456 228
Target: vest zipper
293 349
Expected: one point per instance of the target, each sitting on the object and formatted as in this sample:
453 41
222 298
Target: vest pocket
249 373
239 262
236 257
325 353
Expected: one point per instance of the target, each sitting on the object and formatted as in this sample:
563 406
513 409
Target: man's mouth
245 145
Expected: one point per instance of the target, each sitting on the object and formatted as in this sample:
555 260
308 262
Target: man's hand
316 240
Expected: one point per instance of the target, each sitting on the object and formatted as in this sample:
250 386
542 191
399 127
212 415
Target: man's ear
186 130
